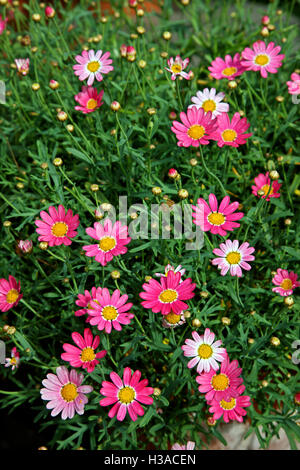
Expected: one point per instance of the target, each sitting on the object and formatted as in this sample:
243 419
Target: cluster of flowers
223 391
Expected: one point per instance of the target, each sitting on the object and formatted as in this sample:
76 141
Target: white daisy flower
168 268
204 350
210 101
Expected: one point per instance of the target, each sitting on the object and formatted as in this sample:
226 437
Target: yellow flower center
196 132
69 392
107 243
228 405
265 189
229 71
205 351
13 361
286 284
59 229
220 382
12 296
91 104
93 66
233 257
176 68
229 135
173 318
216 218
209 105
262 59
126 395
109 313
87 355
167 296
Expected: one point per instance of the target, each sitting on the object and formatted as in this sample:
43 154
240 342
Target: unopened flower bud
264 32
94 187
226 321
62 116
36 17
49 12
53 84
232 84
25 246
57 161
35 86
183 194
115 106
115 274
156 190
289 301
211 421
156 391
275 341
196 323
274 175
43 245
167 35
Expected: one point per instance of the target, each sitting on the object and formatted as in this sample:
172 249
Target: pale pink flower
205 352
126 395
263 183
89 99
214 219
190 445
22 66
195 129
9 293
14 360
92 66
231 133
233 258
231 408
226 68
294 84
58 227
169 268
263 58
111 241
209 100
176 67
224 383
65 393
110 311
84 355
286 282
167 295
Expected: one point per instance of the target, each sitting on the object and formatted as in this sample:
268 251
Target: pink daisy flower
205 352
190 445
22 66
196 127
232 257
110 311
112 241
89 100
84 356
167 295
209 100
58 227
9 293
294 84
169 268
84 301
231 133
14 360
92 66
177 66
221 385
172 320
65 393
286 282
126 395
263 58
214 219
262 185
226 68
231 408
